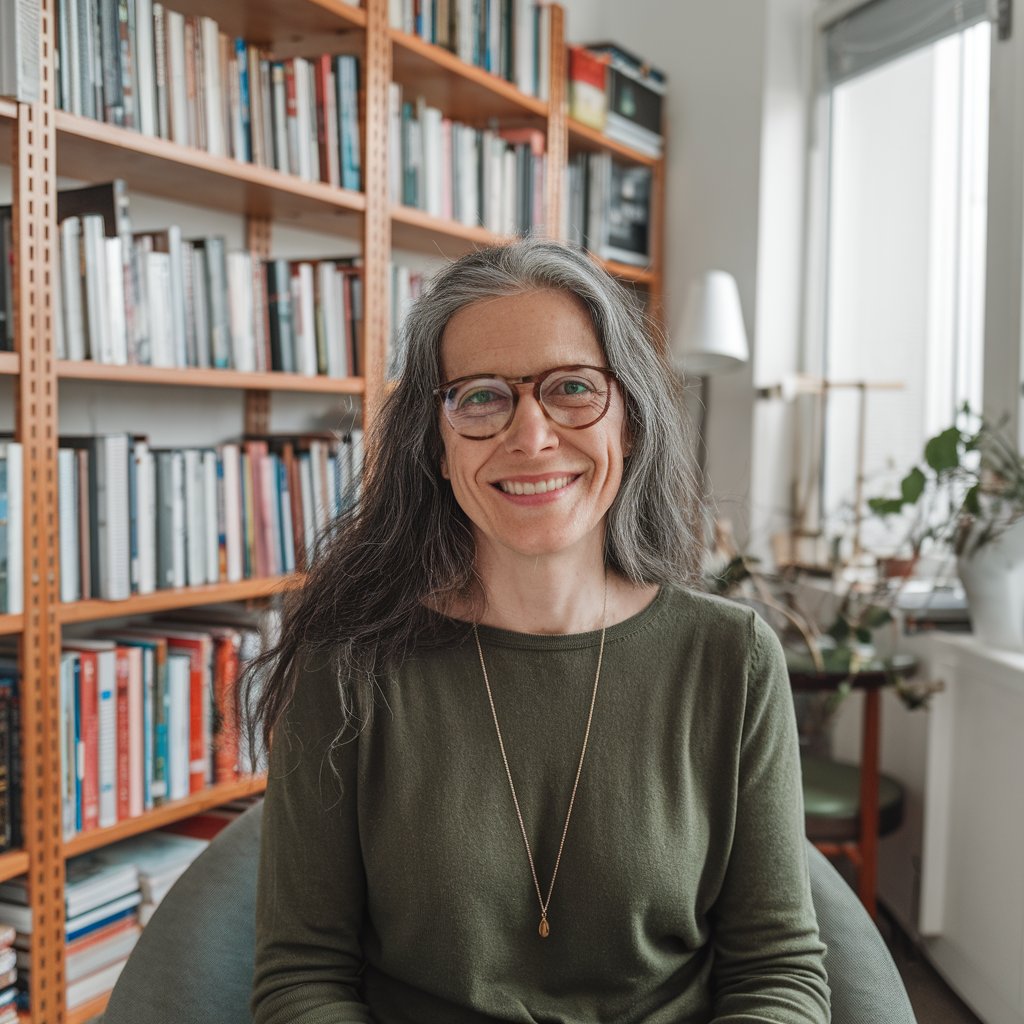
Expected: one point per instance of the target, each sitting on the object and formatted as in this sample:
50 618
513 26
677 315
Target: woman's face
516 336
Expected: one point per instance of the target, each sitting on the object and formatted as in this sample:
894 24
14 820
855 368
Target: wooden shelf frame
192 377
186 174
12 864
39 142
583 137
166 814
11 624
182 597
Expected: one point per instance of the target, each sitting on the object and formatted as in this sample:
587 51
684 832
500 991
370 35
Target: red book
88 704
327 121
121 697
254 451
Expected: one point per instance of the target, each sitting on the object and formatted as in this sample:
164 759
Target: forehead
519 334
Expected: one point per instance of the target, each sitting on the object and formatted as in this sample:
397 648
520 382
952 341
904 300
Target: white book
286 534
11 454
95 262
145 78
20 50
464 43
200 306
77 966
332 141
178 520
282 159
522 44
175 29
117 337
211 525
305 136
304 319
395 14
67 491
93 985
145 496
112 526
71 287
136 726
195 510
240 311
508 191
230 455
395 142
75 925
543 51
158 287
430 126
210 50
176 268
178 679
313 145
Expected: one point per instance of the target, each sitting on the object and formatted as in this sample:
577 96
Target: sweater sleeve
311 889
768 959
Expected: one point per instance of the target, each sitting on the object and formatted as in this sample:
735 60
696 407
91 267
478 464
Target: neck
555 594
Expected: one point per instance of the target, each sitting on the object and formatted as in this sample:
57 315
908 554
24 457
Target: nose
530 431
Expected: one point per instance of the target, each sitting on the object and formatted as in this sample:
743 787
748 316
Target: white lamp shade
712 339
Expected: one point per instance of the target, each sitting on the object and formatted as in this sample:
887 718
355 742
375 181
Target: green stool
832 801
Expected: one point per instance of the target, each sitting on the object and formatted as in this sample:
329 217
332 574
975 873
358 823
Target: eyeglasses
483 405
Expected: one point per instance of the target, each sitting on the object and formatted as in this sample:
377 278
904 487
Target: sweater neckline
494 636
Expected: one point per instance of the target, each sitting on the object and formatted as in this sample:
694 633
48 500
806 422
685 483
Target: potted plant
969 494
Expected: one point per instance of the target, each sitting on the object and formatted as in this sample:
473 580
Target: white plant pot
993 579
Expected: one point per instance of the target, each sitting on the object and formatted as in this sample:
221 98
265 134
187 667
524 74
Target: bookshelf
40 142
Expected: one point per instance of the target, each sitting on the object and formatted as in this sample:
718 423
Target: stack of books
101 904
488 177
141 65
156 298
8 975
509 38
10 752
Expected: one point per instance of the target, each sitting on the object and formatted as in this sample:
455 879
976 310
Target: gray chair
193 962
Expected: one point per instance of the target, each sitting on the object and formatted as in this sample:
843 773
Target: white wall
737 72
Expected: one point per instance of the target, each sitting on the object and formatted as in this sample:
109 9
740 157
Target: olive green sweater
682 895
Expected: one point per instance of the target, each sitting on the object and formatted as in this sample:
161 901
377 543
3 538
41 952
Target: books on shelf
509 38
588 89
609 207
141 65
155 298
635 95
148 714
488 177
12 520
20 50
406 286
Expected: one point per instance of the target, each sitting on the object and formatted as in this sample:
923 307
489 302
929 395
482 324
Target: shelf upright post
558 126
34 222
377 220
257 401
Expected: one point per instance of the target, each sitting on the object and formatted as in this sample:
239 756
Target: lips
554 483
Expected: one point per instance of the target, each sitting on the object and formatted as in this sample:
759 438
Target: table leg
868 874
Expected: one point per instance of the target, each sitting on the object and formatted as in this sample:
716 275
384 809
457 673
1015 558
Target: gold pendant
544 930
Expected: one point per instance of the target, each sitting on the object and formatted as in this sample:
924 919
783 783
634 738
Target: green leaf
839 630
863 634
942 452
971 503
885 506
913 486
876 617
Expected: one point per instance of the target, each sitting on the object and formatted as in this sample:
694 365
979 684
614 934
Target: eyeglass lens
483 406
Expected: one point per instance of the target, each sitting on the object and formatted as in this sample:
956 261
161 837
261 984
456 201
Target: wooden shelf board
13 864
11 624
311 26
10 363
464 92
165 600
222 793
422 232
8 109
87 149
583 137
85 1012
67 370
628 272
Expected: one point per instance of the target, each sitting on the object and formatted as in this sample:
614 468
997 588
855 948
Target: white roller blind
886 29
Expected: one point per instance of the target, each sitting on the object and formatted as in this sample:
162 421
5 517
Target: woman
519 771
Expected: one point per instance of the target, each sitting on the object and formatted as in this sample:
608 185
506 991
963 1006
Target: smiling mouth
537 487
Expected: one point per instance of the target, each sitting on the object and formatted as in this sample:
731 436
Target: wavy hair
405 544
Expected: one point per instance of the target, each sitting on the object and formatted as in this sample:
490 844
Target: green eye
479 397
575 387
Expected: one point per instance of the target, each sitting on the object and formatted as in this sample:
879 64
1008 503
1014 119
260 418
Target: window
903 280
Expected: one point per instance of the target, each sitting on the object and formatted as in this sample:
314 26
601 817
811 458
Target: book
11 528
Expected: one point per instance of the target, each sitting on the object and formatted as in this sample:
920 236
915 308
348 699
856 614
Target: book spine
107 739
89 750
123 733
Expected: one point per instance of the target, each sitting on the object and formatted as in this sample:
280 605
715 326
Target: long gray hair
405 543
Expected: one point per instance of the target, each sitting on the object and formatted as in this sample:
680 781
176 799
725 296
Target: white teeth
541 487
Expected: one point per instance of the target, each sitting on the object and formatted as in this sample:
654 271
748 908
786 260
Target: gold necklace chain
544 928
